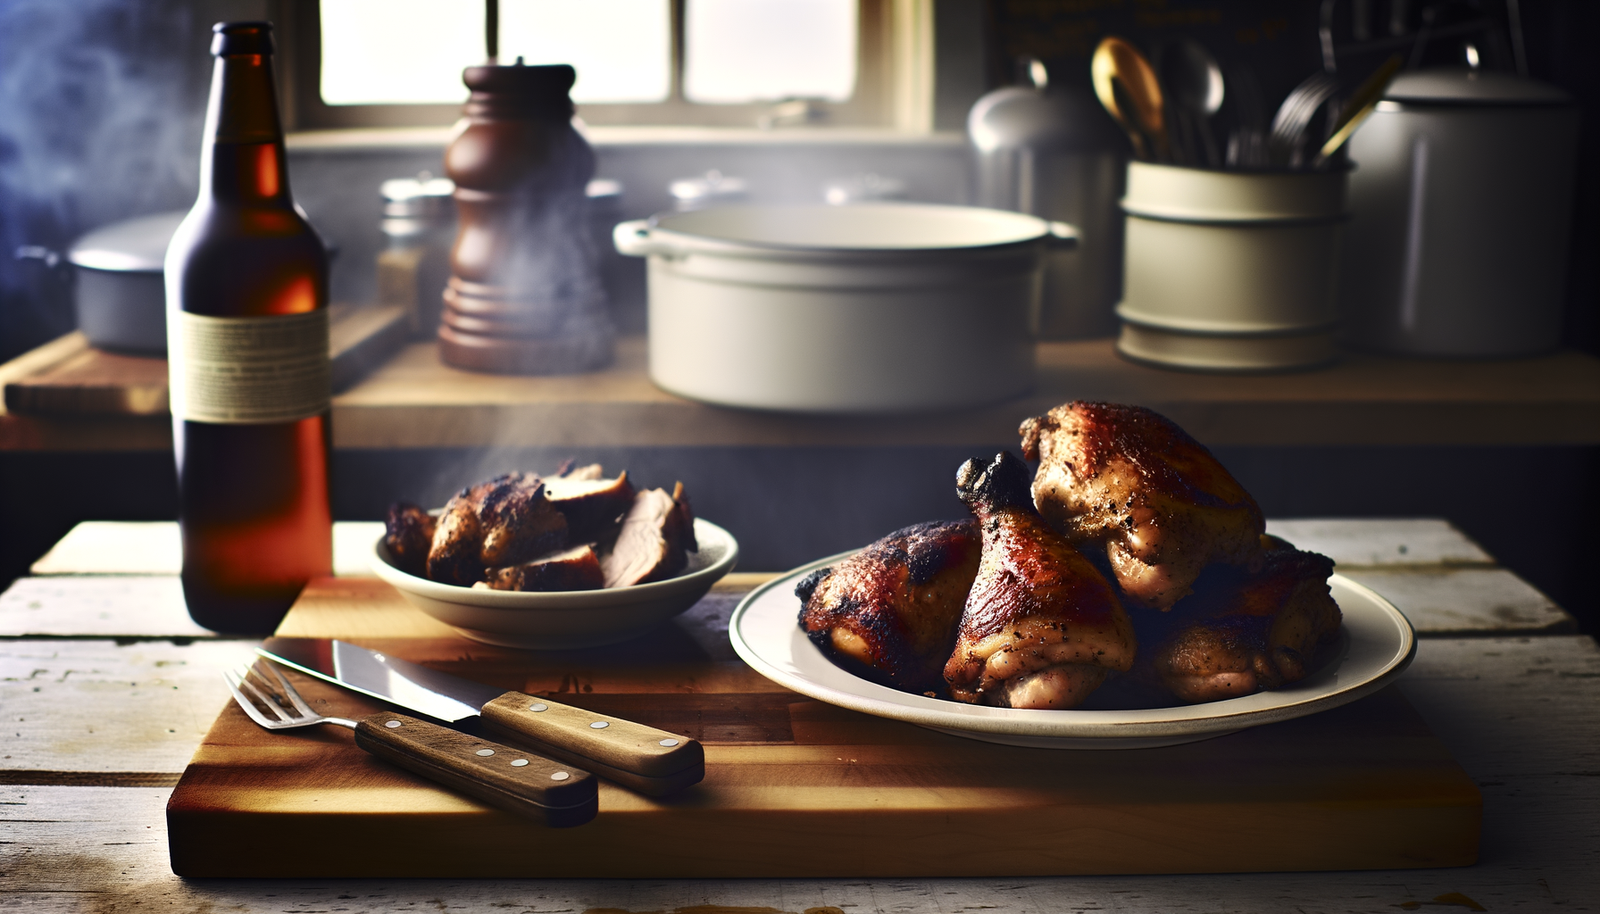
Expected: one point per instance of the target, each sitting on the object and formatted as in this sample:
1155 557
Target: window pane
742 51
622 49
384 52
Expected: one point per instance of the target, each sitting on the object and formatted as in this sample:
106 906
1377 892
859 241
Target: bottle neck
243 158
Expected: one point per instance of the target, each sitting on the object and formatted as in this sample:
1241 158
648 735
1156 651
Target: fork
1294 116
511 779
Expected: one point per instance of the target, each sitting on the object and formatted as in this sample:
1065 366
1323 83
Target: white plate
1377 644
570 619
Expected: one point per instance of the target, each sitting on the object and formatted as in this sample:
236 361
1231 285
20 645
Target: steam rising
101 104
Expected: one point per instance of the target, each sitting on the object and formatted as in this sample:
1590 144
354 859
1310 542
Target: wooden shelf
413 401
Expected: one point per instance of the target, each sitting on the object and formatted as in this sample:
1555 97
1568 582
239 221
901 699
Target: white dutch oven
872 308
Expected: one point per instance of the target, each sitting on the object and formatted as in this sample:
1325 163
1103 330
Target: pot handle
632 238
1061 236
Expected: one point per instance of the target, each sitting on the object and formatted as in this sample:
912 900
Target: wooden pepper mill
525 295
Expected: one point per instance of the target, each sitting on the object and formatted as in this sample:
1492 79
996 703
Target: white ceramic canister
870 308
1461 205
1231 270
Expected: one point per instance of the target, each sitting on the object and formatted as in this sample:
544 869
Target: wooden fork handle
503 776
651 761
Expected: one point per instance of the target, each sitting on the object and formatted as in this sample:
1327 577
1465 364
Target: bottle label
248 370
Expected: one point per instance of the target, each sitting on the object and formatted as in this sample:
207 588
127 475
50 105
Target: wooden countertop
412 401
103 718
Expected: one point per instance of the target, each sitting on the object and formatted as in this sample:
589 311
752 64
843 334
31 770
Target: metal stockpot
120 298
1461 204
1054 153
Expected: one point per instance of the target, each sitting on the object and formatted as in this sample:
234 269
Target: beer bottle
247 335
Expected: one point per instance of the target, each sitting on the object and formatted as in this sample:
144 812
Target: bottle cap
241 38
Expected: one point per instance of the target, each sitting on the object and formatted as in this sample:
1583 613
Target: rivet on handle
519 763
539 707
392 724
669 743
486 752
599 725
560 776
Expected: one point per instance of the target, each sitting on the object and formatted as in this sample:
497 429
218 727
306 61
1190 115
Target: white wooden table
106 688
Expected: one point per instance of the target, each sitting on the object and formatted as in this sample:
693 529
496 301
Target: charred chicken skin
505 521
576 530
893 607
1042 628
1127 481
408 533
1242 632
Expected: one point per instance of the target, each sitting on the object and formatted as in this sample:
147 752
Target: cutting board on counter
70 377
796 787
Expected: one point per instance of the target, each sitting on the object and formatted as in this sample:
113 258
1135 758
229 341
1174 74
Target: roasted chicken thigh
1042 628
1128 482
892 608
1242 631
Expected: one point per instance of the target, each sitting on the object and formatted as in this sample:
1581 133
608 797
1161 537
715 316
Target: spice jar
419 228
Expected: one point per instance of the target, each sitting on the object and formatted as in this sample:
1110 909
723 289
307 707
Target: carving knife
650 761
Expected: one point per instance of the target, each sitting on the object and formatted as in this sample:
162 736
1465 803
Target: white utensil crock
870 308
1230 271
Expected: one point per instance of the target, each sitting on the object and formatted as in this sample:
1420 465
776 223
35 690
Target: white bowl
571 619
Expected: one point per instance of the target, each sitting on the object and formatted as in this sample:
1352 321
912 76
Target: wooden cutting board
796 787
71 377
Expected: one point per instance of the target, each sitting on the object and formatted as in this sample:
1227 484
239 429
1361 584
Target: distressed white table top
106 689
153 548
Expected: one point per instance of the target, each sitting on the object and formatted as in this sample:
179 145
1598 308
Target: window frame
894 82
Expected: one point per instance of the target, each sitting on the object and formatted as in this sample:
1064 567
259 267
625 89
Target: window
372 63
736 51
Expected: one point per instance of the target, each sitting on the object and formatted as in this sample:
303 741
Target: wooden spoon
1118 65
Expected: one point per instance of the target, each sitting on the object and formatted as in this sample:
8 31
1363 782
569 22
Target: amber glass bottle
247 335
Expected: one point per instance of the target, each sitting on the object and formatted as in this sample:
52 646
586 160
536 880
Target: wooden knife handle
648 760
502 776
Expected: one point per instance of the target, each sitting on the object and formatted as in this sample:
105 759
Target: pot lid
1462 86
1018 117
131 246
864 227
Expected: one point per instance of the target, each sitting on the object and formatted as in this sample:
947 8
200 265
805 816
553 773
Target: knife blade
650 761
